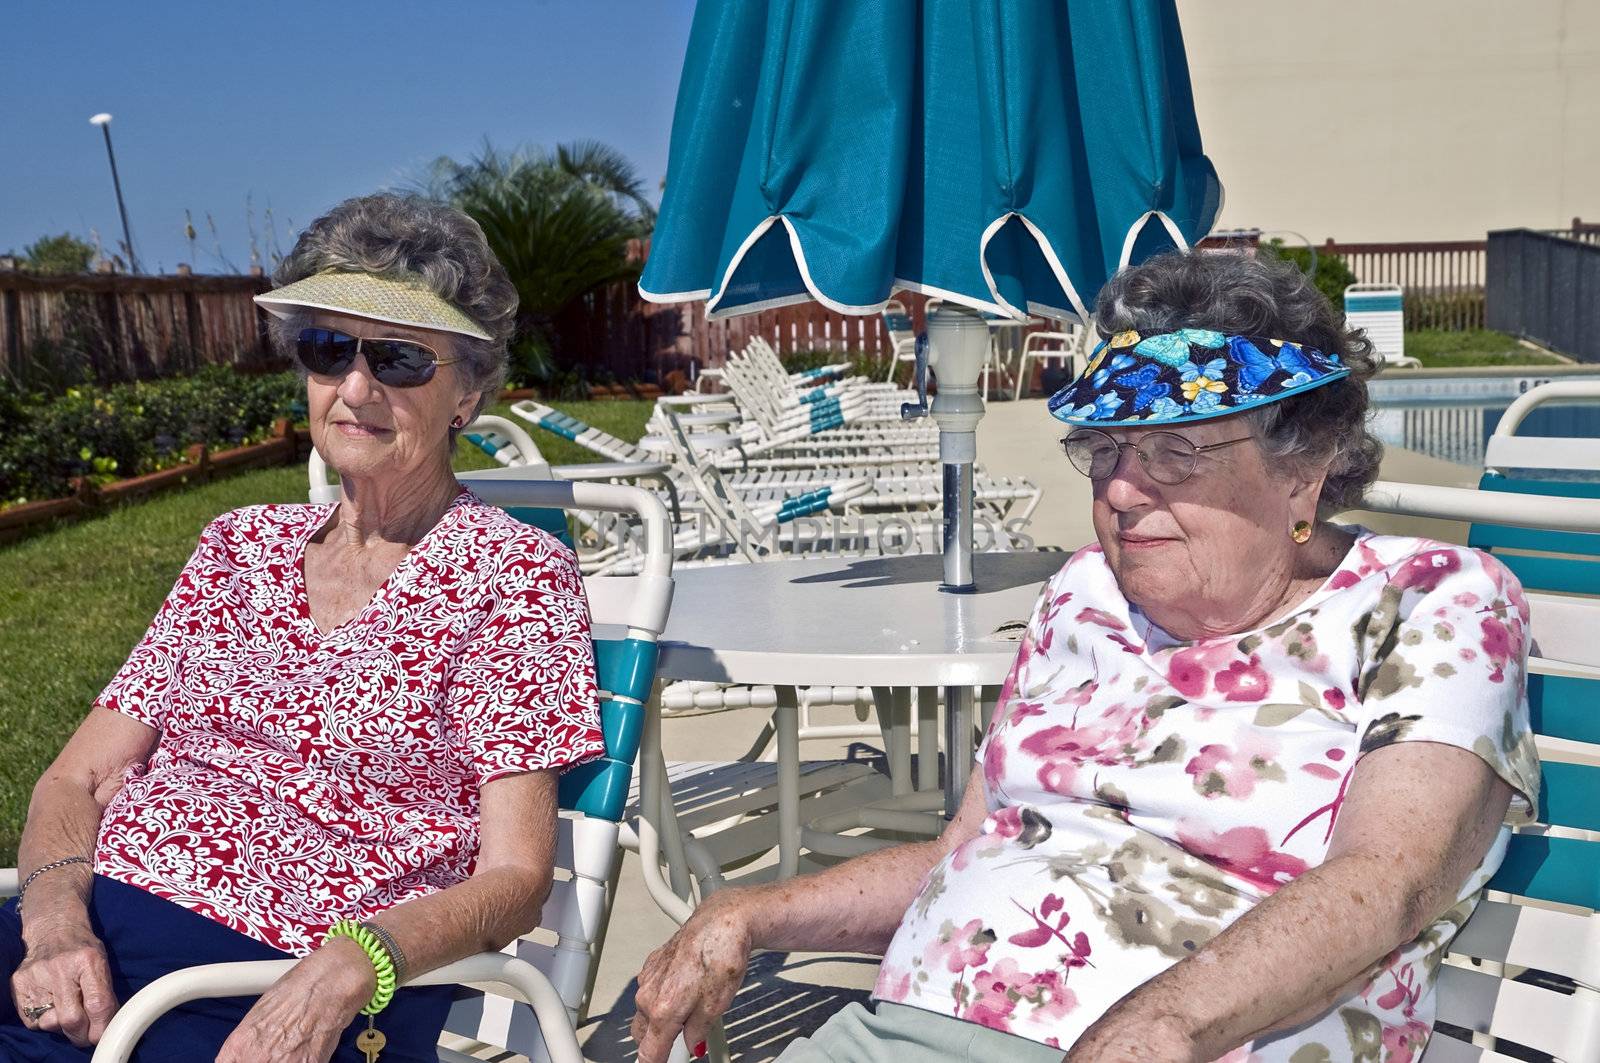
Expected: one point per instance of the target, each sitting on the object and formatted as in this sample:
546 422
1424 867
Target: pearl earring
1302 532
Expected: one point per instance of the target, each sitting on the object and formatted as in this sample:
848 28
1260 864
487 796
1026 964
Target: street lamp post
103 120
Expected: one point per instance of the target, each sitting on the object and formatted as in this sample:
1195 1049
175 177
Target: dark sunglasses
395 363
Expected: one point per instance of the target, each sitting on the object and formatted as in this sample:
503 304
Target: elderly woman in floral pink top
1250 771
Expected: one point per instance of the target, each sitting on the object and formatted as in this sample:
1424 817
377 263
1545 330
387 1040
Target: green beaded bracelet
382 964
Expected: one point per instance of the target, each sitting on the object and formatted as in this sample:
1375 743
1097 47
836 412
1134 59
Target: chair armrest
255 978
8 882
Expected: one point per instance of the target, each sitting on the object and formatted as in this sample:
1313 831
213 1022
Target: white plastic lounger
1379 311
1525 970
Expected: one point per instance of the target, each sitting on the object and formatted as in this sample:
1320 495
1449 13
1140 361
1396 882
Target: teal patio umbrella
1007 155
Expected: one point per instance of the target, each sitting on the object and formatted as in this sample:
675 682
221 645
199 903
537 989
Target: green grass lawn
74 600
1438 349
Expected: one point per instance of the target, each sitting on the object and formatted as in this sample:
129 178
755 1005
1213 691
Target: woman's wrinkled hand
691 980
300 1019
67 968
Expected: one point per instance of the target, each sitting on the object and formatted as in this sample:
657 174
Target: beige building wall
1379 120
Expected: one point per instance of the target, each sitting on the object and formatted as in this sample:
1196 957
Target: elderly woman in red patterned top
350 712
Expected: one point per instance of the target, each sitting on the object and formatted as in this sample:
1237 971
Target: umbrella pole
957 544
958 344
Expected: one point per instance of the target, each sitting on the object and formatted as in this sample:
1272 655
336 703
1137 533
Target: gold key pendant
370 1042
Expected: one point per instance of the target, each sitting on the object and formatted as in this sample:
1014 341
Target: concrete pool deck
789 995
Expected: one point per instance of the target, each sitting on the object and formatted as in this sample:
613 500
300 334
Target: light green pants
898 1034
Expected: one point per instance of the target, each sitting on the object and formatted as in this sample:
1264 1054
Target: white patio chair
902 337
548 970
1525 970
1379 311
1564 467
1044 346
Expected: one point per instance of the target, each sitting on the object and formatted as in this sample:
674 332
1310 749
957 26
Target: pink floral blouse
302 777
1144 793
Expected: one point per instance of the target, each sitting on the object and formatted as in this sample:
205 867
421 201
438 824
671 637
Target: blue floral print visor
1188 375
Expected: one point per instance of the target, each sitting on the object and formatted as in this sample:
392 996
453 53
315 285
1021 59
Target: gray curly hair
1321 429
394 232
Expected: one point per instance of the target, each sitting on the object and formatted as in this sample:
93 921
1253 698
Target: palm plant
561 222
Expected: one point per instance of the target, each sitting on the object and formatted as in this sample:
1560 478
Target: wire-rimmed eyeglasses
1167 457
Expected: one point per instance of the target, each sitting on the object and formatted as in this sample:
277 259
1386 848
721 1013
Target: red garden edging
201 465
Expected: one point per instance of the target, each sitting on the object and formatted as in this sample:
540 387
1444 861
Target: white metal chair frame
1507 450
1070 347
1478 987
636 605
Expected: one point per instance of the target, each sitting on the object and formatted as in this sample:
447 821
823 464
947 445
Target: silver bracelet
396 957
41 870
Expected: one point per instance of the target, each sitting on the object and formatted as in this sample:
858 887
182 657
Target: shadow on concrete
776 1005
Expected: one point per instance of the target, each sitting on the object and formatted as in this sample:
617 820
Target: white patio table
878 622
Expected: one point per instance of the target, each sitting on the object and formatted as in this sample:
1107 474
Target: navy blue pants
146 937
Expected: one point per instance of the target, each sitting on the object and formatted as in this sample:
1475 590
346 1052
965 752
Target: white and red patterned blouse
303 777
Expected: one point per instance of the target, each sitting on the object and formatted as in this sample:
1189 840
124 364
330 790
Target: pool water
1452 417
1458 431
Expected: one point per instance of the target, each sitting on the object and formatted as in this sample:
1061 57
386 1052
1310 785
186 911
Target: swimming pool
1452 417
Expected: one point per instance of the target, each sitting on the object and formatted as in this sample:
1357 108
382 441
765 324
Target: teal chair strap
1565 707
626 670
1570 797
1570 575
1563 870
625 667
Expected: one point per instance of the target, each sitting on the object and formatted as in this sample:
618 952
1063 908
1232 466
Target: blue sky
298 105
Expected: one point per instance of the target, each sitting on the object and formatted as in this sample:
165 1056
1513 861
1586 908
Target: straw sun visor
395 298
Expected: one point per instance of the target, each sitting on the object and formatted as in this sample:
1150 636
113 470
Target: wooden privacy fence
111 328
133 327
616 332
629 337
1443 280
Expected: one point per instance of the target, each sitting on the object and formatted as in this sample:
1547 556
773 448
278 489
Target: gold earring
1302 531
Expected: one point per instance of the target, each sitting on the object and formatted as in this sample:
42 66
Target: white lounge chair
1379 311
896 485
1525 970
1560 467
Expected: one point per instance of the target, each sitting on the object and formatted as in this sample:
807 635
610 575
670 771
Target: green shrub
131 429
1445 310
1332 277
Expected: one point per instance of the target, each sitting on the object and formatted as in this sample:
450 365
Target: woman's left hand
300 1019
